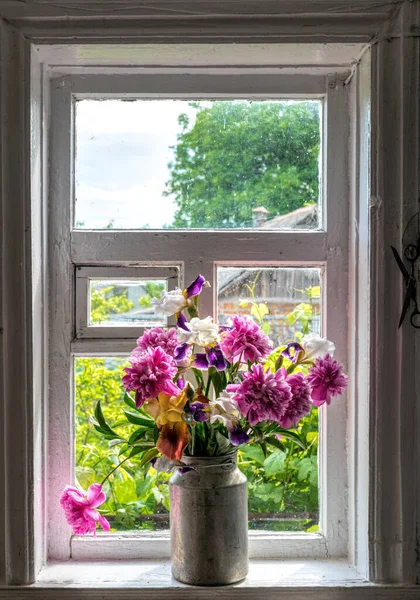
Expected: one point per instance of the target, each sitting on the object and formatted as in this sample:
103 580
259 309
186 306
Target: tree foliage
241 155
104 302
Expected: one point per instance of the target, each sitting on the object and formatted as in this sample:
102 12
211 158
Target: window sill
149 579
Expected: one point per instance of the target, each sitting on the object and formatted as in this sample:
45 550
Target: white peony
169 303
316 346
202 332
225 410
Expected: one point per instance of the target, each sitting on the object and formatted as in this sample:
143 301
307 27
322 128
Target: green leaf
198 375
124 449
312 437
223 444
290 435
273 441
115 442
263 446
265 491
86 476
148 456
138 450
125 490
102 426
129 401
308 470
137 420
138 435
273 464
253 452
144 486
157 495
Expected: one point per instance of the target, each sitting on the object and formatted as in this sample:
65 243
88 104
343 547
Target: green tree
240 155
108 301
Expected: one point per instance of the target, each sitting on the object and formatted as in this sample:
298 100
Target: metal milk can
209 522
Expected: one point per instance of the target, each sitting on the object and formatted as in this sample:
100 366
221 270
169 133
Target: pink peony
157 338
326 379
150 374
79 508
300 403
245 340
262 395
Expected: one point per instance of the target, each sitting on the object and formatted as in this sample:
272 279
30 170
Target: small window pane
153 164
124 303
285 299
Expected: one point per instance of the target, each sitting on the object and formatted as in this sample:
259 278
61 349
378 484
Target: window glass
126 303
136 499
286 300
282 486
153 164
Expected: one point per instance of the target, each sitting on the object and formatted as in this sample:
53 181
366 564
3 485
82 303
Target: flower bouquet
197 392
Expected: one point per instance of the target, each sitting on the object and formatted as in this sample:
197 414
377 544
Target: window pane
136 500
286 298
119 303
197 164
283 486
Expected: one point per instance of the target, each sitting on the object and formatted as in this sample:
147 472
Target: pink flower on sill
157 338
326 379
300 403
245 340
150 374
79 509
262 395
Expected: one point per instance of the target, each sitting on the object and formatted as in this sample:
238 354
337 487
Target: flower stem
114 469
206 393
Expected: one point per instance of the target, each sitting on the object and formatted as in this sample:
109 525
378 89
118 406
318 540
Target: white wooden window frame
84 275
195 252
384 499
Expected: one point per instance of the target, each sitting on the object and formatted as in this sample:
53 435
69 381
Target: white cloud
122 155
130 208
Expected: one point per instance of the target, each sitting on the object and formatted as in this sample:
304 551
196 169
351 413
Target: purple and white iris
294 355
213 357
196 287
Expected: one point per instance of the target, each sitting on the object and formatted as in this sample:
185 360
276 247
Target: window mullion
172 247
61 302
332 464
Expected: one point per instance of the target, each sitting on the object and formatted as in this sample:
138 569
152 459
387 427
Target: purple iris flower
216 358
182 322
181 383
296 349
200 361
195 288
181 352
212 358
238 436
198 411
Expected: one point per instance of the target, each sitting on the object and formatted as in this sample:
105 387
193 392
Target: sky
122 153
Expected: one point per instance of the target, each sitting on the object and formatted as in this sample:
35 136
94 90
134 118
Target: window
373 47
129 225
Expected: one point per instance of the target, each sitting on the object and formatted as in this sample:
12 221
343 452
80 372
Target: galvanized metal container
209 522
